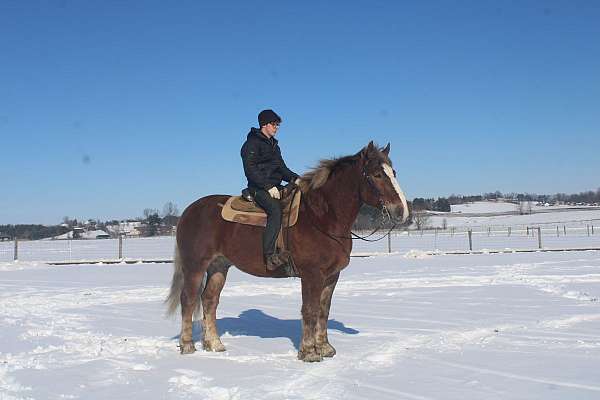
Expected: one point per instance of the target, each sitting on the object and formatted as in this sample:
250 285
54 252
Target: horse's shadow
255 322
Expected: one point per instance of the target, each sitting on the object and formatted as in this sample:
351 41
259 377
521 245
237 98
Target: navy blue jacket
263 165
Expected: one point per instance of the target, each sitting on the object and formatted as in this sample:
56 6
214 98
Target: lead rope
286 240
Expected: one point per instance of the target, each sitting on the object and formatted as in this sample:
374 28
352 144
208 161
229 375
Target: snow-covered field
480 215
507 326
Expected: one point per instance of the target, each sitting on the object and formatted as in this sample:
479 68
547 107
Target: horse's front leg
312 286
326 349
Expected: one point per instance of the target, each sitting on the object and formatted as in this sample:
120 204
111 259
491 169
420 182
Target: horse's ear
368 150
386 150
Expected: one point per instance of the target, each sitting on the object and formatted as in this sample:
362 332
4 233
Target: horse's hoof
213 346
310 357
327 350
187 348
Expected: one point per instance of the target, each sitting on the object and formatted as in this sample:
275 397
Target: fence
154 248
487 239
437 240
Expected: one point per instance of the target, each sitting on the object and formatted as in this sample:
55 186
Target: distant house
95 234
77 233
126 228
4 237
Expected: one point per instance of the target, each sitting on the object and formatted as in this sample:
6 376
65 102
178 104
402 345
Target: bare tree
524 207
420 219
170 210
149 211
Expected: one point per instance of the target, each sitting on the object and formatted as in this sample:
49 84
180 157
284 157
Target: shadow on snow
255 322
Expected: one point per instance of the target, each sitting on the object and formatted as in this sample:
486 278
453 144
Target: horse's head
379 187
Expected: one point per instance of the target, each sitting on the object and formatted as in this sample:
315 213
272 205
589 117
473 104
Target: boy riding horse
265 169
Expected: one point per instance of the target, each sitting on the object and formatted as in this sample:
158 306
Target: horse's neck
341 192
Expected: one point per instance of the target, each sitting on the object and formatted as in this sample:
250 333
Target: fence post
489 231
470 240
592 229
509 229
16 254
588 229
565 230
539 237
557 235
120 247
527 231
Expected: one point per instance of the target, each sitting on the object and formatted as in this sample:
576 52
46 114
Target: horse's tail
174 299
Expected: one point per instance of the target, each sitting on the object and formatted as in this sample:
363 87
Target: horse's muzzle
398 212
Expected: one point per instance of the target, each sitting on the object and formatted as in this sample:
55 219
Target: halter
384 213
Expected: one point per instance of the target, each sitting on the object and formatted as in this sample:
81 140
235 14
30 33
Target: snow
483 207
484 214
407 325
84 235
487 206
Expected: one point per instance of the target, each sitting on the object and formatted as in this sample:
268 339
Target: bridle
384 213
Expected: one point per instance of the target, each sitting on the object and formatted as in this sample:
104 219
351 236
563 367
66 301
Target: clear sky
110 107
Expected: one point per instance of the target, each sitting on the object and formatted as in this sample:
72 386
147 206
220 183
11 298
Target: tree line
368 217
153 222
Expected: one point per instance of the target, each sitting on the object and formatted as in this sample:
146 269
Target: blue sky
110 107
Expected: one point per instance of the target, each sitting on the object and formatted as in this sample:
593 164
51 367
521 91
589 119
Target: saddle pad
237 209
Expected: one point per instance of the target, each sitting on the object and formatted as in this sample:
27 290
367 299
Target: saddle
243 210
238 209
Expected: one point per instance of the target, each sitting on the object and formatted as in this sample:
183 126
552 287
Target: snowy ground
508 326
481 215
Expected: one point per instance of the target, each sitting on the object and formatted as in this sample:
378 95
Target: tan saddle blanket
237 209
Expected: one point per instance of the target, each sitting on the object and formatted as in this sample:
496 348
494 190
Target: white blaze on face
390 174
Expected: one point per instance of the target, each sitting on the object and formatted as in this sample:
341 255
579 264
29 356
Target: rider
265 169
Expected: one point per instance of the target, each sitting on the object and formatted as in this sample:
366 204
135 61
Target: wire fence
464 240
401 241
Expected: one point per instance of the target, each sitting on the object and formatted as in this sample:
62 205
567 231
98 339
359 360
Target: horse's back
198 217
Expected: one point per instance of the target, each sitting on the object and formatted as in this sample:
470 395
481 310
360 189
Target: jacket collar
258 134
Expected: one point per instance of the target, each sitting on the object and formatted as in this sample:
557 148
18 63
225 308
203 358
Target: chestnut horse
320 243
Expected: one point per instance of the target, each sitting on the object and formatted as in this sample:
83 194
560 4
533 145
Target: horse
320 243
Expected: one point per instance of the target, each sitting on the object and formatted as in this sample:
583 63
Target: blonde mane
318 176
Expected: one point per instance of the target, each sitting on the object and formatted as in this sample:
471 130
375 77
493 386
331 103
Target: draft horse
320 242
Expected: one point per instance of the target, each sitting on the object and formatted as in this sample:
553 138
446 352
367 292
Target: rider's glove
274 192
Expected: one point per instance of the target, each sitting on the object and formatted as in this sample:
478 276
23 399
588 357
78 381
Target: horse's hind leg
190 295
217 274
327 350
